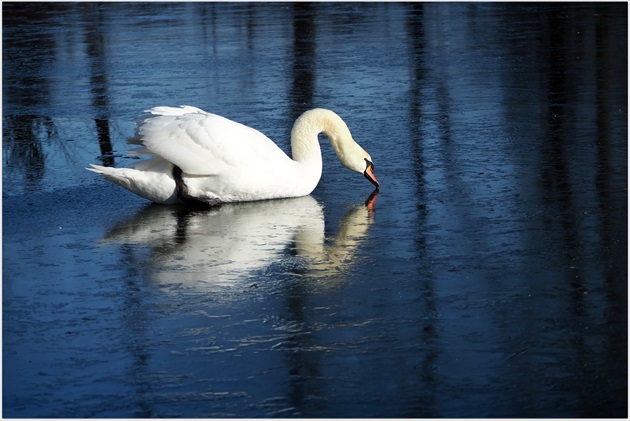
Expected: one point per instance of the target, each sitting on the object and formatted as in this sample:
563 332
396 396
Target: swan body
197 156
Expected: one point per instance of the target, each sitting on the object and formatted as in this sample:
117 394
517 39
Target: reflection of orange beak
369 173
369 203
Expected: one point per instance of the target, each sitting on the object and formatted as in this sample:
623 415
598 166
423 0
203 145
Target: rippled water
487 279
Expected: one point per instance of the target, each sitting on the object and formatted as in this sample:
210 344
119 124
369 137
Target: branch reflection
217 248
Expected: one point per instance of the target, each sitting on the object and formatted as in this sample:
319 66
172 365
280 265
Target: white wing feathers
200 143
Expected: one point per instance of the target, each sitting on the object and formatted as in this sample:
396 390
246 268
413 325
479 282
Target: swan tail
158 187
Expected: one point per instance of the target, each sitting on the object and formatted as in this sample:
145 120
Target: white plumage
199 156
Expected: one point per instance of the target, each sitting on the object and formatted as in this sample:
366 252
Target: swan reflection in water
220 247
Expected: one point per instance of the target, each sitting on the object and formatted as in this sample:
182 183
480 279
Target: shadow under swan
213 249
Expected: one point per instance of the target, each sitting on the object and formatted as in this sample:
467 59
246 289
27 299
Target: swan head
369 173
357 159
349 152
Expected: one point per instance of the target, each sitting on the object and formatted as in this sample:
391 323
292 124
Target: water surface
488 278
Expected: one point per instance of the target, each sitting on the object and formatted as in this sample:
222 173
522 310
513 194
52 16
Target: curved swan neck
304 141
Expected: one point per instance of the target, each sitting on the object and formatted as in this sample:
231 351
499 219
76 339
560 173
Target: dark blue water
489 279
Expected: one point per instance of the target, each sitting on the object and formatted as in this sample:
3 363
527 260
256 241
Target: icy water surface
488 278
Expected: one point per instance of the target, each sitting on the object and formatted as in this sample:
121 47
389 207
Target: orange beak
369 173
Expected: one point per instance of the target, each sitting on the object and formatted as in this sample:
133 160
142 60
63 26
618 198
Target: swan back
202 143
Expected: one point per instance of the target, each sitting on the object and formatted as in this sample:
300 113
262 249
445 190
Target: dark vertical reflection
96 42
251 26
562 194
556 177
428 334
27 54
572 52
303 364
558 187
135 319
135 322
26 90
303 75
613 240
207 15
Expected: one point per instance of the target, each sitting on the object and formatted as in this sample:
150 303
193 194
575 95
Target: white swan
202 157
